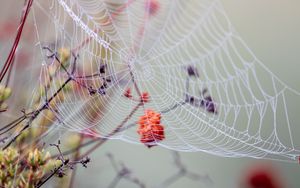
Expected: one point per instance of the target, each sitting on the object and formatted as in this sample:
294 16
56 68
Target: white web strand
252 103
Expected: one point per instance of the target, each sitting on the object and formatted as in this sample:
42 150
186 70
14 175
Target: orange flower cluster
150 128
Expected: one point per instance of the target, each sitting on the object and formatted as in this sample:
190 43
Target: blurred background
271 29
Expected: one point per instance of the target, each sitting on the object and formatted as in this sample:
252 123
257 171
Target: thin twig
183 172
76 157
64 163
9 61
55 171
36 113
122 173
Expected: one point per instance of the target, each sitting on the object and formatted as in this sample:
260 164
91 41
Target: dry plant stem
57 169
9 61
183 172
173 107
115 181
9 73
172 179
50 176
36 113
123 173
65 163
116 130
71 151
119 175
76 157
12 124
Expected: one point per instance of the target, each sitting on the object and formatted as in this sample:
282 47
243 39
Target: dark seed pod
192 71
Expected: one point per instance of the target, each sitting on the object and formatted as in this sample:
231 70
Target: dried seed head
192 71
102 69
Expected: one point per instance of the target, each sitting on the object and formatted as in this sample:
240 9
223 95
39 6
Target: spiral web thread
252 118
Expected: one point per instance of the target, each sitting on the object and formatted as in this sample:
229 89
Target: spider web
252 118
